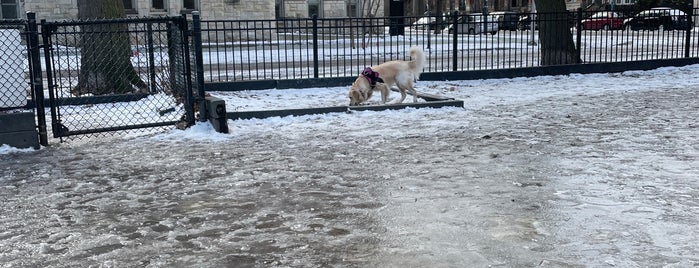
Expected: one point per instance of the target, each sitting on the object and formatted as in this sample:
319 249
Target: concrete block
14 122
19 130
22 139
216 109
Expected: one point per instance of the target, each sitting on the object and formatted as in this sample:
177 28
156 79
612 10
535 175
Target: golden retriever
381 77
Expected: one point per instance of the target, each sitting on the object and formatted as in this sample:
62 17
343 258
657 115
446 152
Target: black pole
315 46
199 64
37 83
427 34
184 44
688 32
151 58
578 35
454 41
46 37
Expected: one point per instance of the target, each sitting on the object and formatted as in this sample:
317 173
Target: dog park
577 169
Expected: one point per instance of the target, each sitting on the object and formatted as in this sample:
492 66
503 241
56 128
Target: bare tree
439 20
369 10
105 66
555 37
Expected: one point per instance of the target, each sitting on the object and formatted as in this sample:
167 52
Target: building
210 9
271 9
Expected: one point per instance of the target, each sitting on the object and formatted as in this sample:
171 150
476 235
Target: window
352 10
158 5
130 7
9 9
518 3
190 4
314 8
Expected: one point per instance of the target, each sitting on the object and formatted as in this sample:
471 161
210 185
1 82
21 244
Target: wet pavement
606 180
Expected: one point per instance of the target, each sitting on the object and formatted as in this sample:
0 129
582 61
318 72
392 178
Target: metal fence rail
244 50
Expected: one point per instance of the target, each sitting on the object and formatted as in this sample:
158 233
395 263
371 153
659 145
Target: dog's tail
418 61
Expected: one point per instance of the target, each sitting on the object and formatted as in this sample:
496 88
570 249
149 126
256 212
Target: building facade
271 9
52 10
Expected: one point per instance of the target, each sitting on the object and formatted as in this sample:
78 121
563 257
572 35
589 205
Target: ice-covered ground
564 171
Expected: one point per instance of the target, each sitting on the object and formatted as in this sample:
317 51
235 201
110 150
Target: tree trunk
555 37
439 21
105 66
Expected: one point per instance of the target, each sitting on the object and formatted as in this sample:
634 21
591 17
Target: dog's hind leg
402 93
384 92
413 92
409 88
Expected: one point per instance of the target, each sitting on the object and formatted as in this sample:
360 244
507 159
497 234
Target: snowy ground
563 171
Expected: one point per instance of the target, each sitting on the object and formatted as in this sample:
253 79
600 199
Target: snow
590 170
6 149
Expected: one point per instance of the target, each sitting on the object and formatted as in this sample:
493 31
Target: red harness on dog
371 76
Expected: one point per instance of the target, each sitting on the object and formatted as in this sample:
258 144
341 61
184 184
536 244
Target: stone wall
334 9
52 10
295 9
238 9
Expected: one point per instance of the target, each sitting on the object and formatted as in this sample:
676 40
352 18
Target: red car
606 20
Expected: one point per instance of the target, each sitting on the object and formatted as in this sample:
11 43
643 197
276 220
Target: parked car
606 20
474 24
524 23
428 21
507 20
659 18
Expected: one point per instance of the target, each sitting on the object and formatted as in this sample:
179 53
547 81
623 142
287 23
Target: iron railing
244 50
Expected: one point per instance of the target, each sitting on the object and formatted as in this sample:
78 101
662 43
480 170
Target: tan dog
398 72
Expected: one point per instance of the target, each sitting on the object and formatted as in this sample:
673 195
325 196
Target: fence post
151 57
56 127
184 34
578 35
315 46
427 34
199 64
36 77
688 32
455 40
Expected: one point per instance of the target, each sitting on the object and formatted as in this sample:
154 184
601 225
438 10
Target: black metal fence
115 75
244 50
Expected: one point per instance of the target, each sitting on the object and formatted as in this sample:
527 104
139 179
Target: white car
429 21
475 24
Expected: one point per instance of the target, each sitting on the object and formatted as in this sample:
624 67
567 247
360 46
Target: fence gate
117 75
